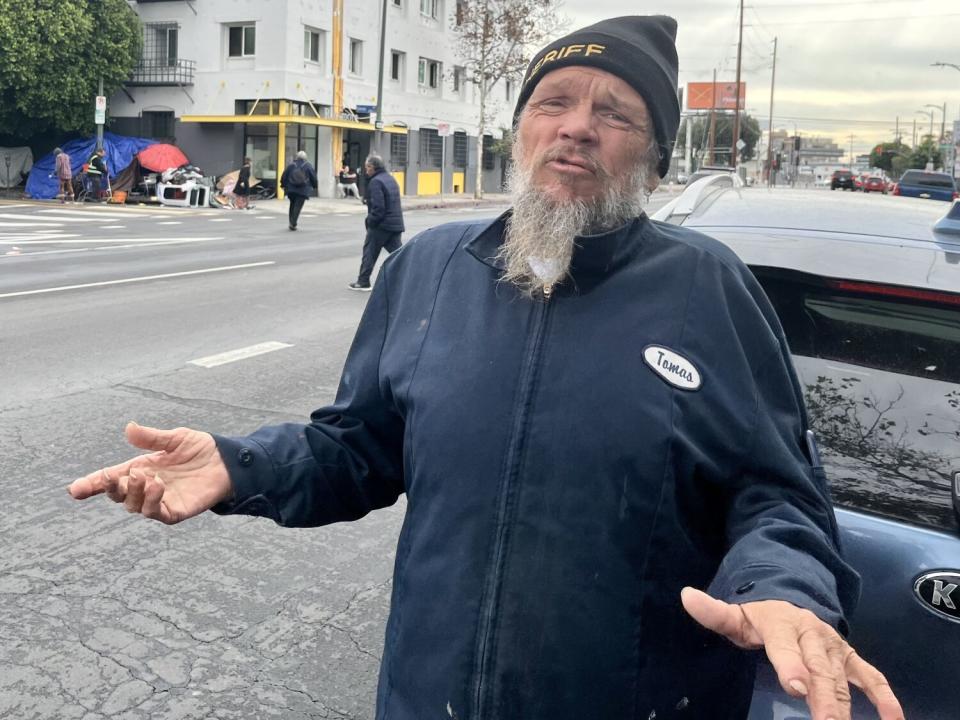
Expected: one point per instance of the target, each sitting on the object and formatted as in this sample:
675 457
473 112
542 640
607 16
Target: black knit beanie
639 49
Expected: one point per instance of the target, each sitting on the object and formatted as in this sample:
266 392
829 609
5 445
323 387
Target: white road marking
220 219
22 223
55 240
69 216
137 279
114 227
169 222
41 218
14 239
239 354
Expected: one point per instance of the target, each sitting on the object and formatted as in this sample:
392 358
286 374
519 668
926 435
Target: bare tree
494 40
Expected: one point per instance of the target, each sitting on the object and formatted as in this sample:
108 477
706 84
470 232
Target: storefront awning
292 120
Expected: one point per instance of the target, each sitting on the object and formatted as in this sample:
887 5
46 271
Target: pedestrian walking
64 175
241 189
611 496
347 182
297 181
96 171
384 219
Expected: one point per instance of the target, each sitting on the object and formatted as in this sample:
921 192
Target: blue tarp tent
120 152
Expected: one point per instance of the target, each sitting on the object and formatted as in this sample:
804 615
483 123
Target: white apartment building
226 79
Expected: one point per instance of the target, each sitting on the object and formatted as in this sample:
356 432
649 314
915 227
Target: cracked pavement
110 616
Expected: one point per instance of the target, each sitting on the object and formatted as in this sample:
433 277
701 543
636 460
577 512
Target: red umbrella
161 157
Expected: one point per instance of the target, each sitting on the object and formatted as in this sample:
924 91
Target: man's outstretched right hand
180 477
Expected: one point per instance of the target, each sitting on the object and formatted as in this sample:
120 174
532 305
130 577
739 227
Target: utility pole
914 133
378 123
851 151
100 118
773 78
713 119
735 152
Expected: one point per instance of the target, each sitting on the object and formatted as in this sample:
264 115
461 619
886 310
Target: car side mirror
956 494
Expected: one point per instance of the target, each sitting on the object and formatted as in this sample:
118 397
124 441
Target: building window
396 65
508 89
398 151
428 73
459 149
311 45
458 79
160 43
461 11
356 56
431 148
397 3
488 156
157 124
430 8
242 40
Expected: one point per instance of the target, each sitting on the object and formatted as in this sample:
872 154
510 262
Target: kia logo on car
940 592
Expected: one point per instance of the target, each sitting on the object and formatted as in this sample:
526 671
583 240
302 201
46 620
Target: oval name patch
674 368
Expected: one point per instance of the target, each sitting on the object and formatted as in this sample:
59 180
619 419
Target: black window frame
460 148
431 149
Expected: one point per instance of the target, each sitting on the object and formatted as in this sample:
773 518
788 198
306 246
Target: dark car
927 185
842 179
875 183
868 294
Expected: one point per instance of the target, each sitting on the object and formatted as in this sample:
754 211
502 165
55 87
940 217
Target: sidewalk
408 202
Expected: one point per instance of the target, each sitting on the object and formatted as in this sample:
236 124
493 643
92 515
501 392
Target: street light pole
378 123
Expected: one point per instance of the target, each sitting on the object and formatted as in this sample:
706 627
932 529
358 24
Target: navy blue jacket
305 189
383 203
561 489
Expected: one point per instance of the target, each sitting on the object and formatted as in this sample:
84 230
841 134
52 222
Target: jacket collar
594 256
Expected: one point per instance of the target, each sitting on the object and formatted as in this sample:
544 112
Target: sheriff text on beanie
639 49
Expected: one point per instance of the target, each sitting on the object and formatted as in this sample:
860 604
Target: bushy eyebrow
606 98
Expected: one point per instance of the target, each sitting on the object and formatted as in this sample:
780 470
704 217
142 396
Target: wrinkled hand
810 658
182 476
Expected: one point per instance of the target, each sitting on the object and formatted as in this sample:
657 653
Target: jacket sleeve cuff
246 461
808 586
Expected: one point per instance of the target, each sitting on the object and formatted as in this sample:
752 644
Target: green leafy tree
52 56
926 151
749 132
885 155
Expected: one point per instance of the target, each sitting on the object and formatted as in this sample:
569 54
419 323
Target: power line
863 19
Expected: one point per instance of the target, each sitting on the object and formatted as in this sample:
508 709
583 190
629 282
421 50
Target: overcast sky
843 67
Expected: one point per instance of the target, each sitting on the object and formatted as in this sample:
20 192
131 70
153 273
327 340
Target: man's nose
579 124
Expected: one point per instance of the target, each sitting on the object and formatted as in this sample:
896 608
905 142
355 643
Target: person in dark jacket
611 490
384 219
299 179
96 171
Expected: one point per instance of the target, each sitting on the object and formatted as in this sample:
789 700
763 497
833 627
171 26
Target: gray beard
541 232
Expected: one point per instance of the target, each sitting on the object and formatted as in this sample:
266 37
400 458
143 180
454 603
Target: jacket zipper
514 454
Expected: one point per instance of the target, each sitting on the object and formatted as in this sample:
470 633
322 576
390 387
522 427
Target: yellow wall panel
399 176
428 183
458 184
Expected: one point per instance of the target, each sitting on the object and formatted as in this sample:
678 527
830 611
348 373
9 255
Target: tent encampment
14 163
121 150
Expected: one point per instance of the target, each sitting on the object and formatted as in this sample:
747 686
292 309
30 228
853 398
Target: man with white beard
591 415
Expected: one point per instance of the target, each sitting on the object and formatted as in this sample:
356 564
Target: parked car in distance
868 294
875 183
927 185
841 179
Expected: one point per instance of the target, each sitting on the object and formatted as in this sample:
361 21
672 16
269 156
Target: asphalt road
104 313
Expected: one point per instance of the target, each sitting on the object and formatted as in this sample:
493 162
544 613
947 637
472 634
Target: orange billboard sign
700 96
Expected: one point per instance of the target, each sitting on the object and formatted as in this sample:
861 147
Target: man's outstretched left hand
811 659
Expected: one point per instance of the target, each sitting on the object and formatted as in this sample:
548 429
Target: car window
881 380
938 180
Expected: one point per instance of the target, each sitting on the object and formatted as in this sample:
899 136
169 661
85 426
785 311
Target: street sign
443 129
741 144
100 108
